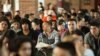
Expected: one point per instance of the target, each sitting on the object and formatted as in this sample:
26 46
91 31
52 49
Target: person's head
22 47
40 14
50 6
4 24
80 22
8 15
47 26
25 24
98 6
1 14
73 16
64 49
79 37
71 25
61 25
17 12
94 27
96 14
16 25
35 24
73 10
17 17
26 16
31 16
76 38
49 17
92 12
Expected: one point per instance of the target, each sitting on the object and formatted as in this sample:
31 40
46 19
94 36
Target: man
4 25
92 39
31 17
49 38
64 49
71 27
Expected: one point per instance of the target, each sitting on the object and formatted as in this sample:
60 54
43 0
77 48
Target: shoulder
19 33
88 34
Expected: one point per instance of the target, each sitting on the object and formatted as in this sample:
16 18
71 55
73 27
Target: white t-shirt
88 52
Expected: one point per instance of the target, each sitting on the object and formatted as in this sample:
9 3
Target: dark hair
17 43
31 14
15 21
71 20
50 15
61 22
36 21
26 21
6 20
26 16
69 46
94 23
2 13
18 11
49 22
8 14
93 10
17 17
78 32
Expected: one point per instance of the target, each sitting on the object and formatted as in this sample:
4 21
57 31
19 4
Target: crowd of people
51 33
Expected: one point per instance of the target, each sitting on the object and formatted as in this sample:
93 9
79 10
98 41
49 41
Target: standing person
92 39
26 30
49 37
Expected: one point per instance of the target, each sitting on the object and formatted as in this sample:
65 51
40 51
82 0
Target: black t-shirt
31 35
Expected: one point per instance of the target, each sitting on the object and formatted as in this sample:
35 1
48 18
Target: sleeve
57 40
39 38
86 39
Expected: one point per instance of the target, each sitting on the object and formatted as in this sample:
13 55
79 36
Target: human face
81 23
34 26
25 27
25 49
94 30
16 25
3 25
71 25
60 27
46 28
78 40
49 18
60 52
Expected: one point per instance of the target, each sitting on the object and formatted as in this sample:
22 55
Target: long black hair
26 21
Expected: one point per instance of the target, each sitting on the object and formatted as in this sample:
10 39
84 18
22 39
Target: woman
26 31
22 47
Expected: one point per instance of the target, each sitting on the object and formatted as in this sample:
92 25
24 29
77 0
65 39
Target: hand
48 46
